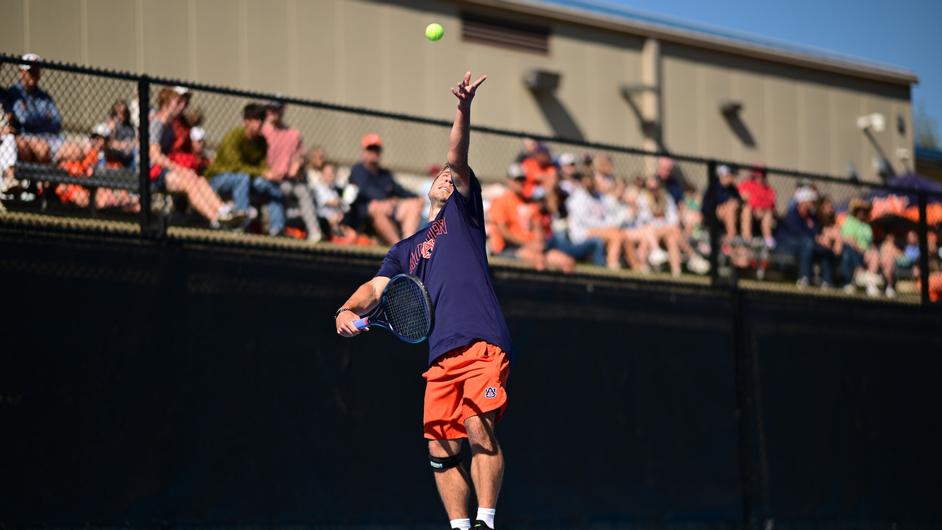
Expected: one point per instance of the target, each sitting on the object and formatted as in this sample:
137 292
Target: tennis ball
434 31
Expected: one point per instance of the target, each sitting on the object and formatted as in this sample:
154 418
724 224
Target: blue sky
901 33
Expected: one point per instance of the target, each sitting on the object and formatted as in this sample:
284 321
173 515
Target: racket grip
361 323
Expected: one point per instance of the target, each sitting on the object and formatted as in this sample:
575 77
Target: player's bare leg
487 459
454 485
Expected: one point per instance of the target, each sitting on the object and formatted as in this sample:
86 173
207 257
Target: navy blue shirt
449 256
795 226
376 187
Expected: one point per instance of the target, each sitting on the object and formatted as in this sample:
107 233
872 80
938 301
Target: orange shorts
465 382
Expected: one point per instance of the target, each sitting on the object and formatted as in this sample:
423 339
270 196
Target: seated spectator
909 257
516 231
393 211
120 135
315 165
725 201
570 176
797 234
660 223
8 154
182 150
169 176
691 215
759 206
84 166
859 252
241 165
538 166
38 118
671 179
285 158
593 226
198 143
331 206
830 235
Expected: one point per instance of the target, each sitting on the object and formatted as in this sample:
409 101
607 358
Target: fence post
923 249
712 222
143 135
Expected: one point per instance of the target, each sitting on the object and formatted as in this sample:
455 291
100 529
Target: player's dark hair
253 111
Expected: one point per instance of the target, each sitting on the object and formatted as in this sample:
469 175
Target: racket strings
407 310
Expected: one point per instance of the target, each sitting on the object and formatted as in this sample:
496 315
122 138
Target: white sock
486 515
462 524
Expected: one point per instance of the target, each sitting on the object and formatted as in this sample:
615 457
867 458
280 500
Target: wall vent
505 33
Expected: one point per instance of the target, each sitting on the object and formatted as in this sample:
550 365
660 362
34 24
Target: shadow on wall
558 117
740 129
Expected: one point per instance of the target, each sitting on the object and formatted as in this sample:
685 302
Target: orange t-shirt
516 215
535 173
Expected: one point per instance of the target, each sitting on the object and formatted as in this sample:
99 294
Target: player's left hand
465 89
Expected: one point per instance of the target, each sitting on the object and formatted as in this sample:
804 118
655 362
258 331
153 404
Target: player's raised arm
459 138
362 301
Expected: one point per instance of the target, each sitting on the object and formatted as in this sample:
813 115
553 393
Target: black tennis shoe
480 525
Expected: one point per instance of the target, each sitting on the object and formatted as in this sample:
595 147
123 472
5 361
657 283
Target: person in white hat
36 113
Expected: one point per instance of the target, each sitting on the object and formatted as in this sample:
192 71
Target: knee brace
443 463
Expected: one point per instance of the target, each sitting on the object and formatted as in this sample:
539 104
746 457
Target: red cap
371 139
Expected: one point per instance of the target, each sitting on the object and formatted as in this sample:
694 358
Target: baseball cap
275 104
30 57
101 130
805 195
567 158
371 139
722 170
197 134
182 90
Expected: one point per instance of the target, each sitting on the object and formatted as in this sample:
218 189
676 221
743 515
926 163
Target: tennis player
469 345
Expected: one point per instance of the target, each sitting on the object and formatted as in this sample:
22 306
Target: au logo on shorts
490 392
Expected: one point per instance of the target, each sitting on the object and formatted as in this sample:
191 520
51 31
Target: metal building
553 70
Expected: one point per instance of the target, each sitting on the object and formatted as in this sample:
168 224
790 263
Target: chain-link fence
246 162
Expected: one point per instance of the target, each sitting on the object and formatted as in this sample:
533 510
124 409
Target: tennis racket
404 309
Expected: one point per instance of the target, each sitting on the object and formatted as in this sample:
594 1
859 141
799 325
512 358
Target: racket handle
361 323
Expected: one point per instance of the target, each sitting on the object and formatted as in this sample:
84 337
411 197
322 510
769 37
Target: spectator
315 164
241 164
829 237
798 234
516 231
759 206
593 226
529 148
691 216
570 176
537 167
200 156
725 201
37 116
121 138
8 154
85 166
285 158
331 205
671 179
859 251
167 175
660 222
381 200
182 151
909 257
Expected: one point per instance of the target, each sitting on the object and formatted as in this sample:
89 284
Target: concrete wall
373 54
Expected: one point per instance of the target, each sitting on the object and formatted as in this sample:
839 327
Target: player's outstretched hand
465 89
345 326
